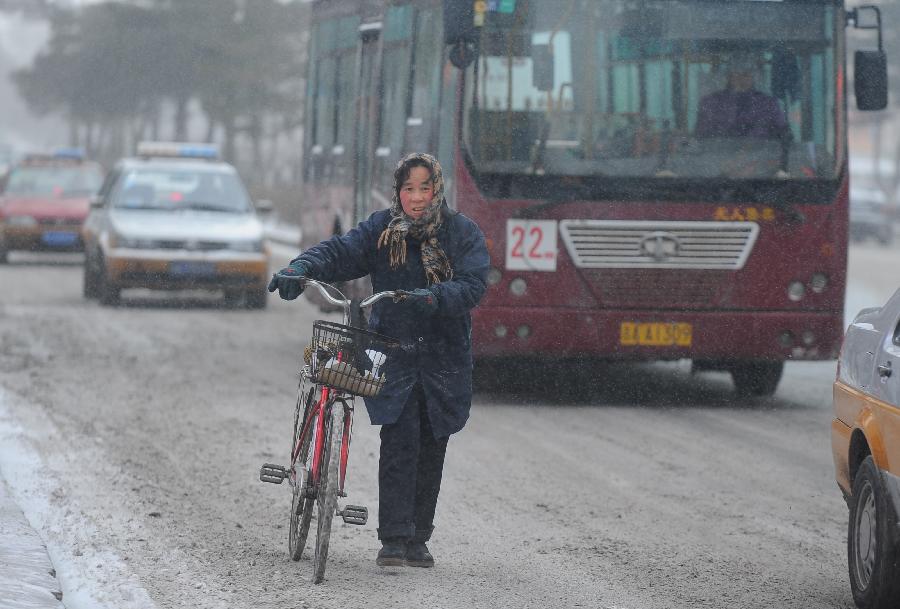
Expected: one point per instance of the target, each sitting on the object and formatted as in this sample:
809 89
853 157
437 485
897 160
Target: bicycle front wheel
326 499
302 501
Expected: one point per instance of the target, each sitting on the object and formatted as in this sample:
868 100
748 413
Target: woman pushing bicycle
439 257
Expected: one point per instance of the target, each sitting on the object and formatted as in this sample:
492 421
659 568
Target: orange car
865 440
44 201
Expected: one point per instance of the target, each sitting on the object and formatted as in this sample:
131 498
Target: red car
44 200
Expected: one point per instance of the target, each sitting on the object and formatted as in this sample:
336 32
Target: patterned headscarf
424 229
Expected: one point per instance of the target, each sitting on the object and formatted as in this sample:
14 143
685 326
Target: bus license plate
655 334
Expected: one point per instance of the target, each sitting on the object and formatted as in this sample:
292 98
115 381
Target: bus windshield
694 89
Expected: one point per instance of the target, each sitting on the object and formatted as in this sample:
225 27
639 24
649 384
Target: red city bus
656 179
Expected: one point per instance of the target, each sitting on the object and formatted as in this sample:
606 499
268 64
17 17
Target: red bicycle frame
321 408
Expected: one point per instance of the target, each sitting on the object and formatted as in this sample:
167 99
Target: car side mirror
264 206
96 201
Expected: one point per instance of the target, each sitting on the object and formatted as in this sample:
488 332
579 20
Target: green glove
290 280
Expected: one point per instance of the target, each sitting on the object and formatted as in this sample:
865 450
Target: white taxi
175 217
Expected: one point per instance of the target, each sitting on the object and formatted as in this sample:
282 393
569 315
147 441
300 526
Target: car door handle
884 369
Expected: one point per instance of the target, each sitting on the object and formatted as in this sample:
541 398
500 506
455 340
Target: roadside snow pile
27 578
89 573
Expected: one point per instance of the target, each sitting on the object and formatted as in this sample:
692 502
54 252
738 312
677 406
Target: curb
27 577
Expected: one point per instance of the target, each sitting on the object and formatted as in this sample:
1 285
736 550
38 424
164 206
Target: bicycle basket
350 359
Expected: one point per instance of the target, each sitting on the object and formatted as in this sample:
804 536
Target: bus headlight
796 291
523 331
808 337
818 282
518 286
500 331
494 276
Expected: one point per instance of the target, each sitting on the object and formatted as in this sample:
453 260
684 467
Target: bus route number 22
531 245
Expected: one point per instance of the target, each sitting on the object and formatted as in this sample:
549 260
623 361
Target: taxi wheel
249 299
90 287
756 378
109 293
257 299
873 555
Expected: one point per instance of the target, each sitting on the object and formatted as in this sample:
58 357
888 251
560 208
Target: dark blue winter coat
438 349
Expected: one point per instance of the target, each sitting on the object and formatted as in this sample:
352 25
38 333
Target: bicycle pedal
275 474
355 514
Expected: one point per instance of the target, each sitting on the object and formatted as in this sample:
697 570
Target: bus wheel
756 378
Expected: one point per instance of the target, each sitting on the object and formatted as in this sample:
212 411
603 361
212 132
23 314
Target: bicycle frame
316 429
326 401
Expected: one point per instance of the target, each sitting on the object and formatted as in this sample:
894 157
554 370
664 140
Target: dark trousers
409 473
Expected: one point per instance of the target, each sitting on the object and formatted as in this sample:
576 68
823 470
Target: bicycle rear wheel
301 504
326 498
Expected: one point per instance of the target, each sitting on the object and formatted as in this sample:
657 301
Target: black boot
392 552
417 555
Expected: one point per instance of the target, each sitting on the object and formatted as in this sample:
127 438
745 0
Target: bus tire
872 551
756 378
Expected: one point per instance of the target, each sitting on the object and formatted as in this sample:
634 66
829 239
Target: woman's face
416 192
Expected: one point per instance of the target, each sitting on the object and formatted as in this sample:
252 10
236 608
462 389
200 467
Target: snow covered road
132 438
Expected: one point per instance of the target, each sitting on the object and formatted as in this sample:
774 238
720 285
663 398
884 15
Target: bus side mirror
870 80
459 22
869 67
96 202
542 76
460 31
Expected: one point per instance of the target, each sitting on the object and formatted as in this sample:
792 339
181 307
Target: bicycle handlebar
323 288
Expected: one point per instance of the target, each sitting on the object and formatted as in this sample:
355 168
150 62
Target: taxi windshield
181 189
54 181
693 89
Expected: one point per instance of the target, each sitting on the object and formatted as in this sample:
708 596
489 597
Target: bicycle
342 361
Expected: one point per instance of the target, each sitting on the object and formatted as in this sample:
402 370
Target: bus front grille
650 244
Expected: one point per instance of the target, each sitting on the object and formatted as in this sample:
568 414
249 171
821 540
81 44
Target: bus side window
421 130
395 76
320 100
339 154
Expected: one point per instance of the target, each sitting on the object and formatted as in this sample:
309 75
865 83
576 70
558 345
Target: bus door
369 60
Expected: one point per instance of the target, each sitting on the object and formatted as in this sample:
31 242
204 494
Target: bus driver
740 110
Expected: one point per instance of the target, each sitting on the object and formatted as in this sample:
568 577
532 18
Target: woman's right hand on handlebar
290 280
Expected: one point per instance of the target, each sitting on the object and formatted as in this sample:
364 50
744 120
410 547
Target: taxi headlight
21 221
246 246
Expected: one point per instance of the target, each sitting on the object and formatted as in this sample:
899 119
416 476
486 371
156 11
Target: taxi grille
197 246
647 244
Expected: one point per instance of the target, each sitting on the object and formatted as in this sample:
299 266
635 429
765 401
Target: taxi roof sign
73 152
178 150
